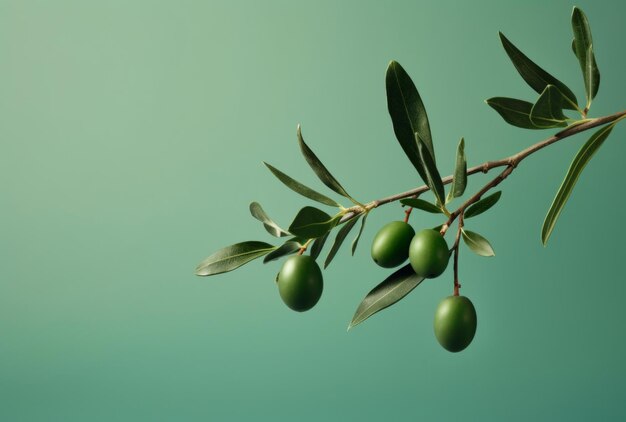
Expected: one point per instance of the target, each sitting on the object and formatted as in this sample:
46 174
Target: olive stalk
510 163
455 250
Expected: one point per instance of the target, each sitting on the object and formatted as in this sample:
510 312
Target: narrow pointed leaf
285 249
573 173
583 48
320 170
517 112
311 222
548 111
339 238
433 179
318 245
272 228
298 187
233 257
482 205
422 205
477 243
459 180
534 75
391 290
408 114
355 242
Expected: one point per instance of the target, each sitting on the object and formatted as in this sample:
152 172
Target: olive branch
311 227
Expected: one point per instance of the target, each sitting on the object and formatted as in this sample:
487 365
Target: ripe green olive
390 247
428 253
300 282
455 323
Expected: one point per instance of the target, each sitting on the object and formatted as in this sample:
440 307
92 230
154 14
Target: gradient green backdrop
132 135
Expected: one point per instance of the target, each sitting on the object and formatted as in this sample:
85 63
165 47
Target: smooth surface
429 253
390 246
300 282
455 323
132 135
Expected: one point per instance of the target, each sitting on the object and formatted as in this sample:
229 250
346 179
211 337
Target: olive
390 246
455 323
428 253
300 282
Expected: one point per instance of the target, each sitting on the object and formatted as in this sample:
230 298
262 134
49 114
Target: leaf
422 205
318 245
548 108
517 112
477 243
285 249
482 205
391 290
233 257
408 114
339 238
573 173
583 49
433 179
534 75
311 222
355 242
272 228
298 187
320 170
459 180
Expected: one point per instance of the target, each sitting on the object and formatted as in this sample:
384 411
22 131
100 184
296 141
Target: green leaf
477 243
482 205
433 179
459 180
339 238
408 114
573 173
517 112
272 228
583 49
285 249
391 290
355 242
233 257
549 108
318 245
298 187
422 205
311 222
534 75
320 170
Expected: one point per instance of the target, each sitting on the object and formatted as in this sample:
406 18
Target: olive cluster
300 281
428 253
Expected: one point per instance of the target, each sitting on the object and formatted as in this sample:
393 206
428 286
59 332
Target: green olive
300 282
390 247
428 253
455 323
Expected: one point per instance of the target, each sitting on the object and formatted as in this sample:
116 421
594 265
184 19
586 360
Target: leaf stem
304 247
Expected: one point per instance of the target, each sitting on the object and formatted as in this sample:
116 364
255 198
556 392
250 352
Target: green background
132 137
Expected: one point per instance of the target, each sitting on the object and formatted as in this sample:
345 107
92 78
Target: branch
509 162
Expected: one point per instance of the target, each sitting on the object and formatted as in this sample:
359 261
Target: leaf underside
320 169
459 180
233 257
477 243
272 228
578 164
390 291
298 187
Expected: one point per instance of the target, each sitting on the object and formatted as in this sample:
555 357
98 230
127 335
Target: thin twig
509 162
